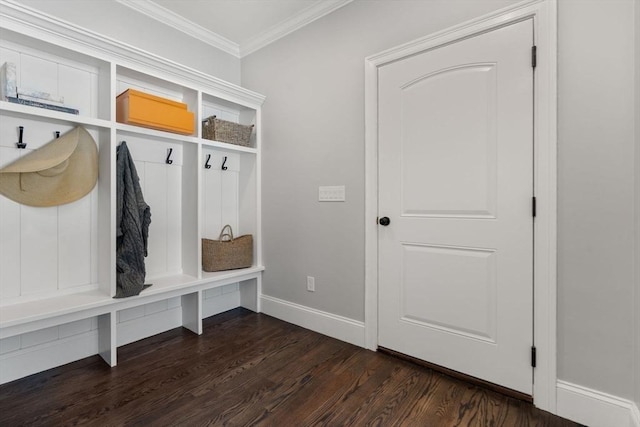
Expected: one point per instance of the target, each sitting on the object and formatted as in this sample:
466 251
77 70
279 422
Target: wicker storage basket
227 253
224 131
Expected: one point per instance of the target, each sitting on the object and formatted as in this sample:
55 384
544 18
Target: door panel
464 156
456 178
460 277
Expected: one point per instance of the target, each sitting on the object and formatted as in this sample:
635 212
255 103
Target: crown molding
167 17
25 20
288 26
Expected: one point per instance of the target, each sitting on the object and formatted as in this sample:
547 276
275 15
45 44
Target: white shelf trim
227 146
43 113
15 319
141 131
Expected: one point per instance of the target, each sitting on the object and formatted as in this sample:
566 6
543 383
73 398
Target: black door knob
384 221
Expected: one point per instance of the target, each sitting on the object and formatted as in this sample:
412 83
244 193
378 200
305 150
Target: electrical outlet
311 284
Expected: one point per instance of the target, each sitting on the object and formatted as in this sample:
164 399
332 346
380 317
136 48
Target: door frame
543 13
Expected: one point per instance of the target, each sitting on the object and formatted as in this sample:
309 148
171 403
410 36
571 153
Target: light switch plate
335 193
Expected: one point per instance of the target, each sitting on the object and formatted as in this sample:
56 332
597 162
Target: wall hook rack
206 164
57 134
21 144
169 161
224 168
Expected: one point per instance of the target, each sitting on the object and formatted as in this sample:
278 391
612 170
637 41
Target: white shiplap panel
75 86
223 113
229 201
38 74
94 97
141 171
212 293
39 249
9 55
155 194
212 193
234 287
123 83
35 134
74 328
38 337
130 314
173 303
95 212
74 243
148 151
7 345
155 307
10 241
220 192
174 218
8 138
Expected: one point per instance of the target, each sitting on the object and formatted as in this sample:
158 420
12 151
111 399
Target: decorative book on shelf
10 92
42 105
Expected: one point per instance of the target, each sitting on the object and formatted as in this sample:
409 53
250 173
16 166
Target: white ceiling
238 27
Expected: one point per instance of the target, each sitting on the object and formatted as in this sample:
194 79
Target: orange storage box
142 109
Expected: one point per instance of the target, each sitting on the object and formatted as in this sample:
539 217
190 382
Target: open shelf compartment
49 74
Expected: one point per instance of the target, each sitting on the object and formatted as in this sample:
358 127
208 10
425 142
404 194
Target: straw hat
62 171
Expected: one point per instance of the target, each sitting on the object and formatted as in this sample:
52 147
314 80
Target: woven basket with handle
227 253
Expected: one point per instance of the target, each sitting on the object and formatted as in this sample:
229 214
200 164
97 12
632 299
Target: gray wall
119 22
313 128
314 135
596 195
637 193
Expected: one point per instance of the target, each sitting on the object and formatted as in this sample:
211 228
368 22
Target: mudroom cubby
167 169
58 264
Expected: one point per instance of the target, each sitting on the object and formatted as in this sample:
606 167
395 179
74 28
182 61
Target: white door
456 182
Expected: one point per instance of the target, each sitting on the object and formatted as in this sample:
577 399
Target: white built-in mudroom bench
58 264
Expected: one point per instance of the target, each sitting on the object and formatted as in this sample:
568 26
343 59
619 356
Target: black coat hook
224 168
169 161
21 144
206 164
57 134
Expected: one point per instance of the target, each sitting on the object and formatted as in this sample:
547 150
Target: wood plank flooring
250 369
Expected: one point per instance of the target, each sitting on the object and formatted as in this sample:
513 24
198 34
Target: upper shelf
15 17
42 113
227 146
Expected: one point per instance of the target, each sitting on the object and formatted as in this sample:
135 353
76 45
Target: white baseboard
342 328
22 363
595 408
635 415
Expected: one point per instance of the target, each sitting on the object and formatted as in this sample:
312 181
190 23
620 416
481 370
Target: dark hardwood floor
252 369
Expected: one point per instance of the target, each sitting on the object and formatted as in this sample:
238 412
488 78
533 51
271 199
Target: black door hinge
534 209
533 357
534 56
